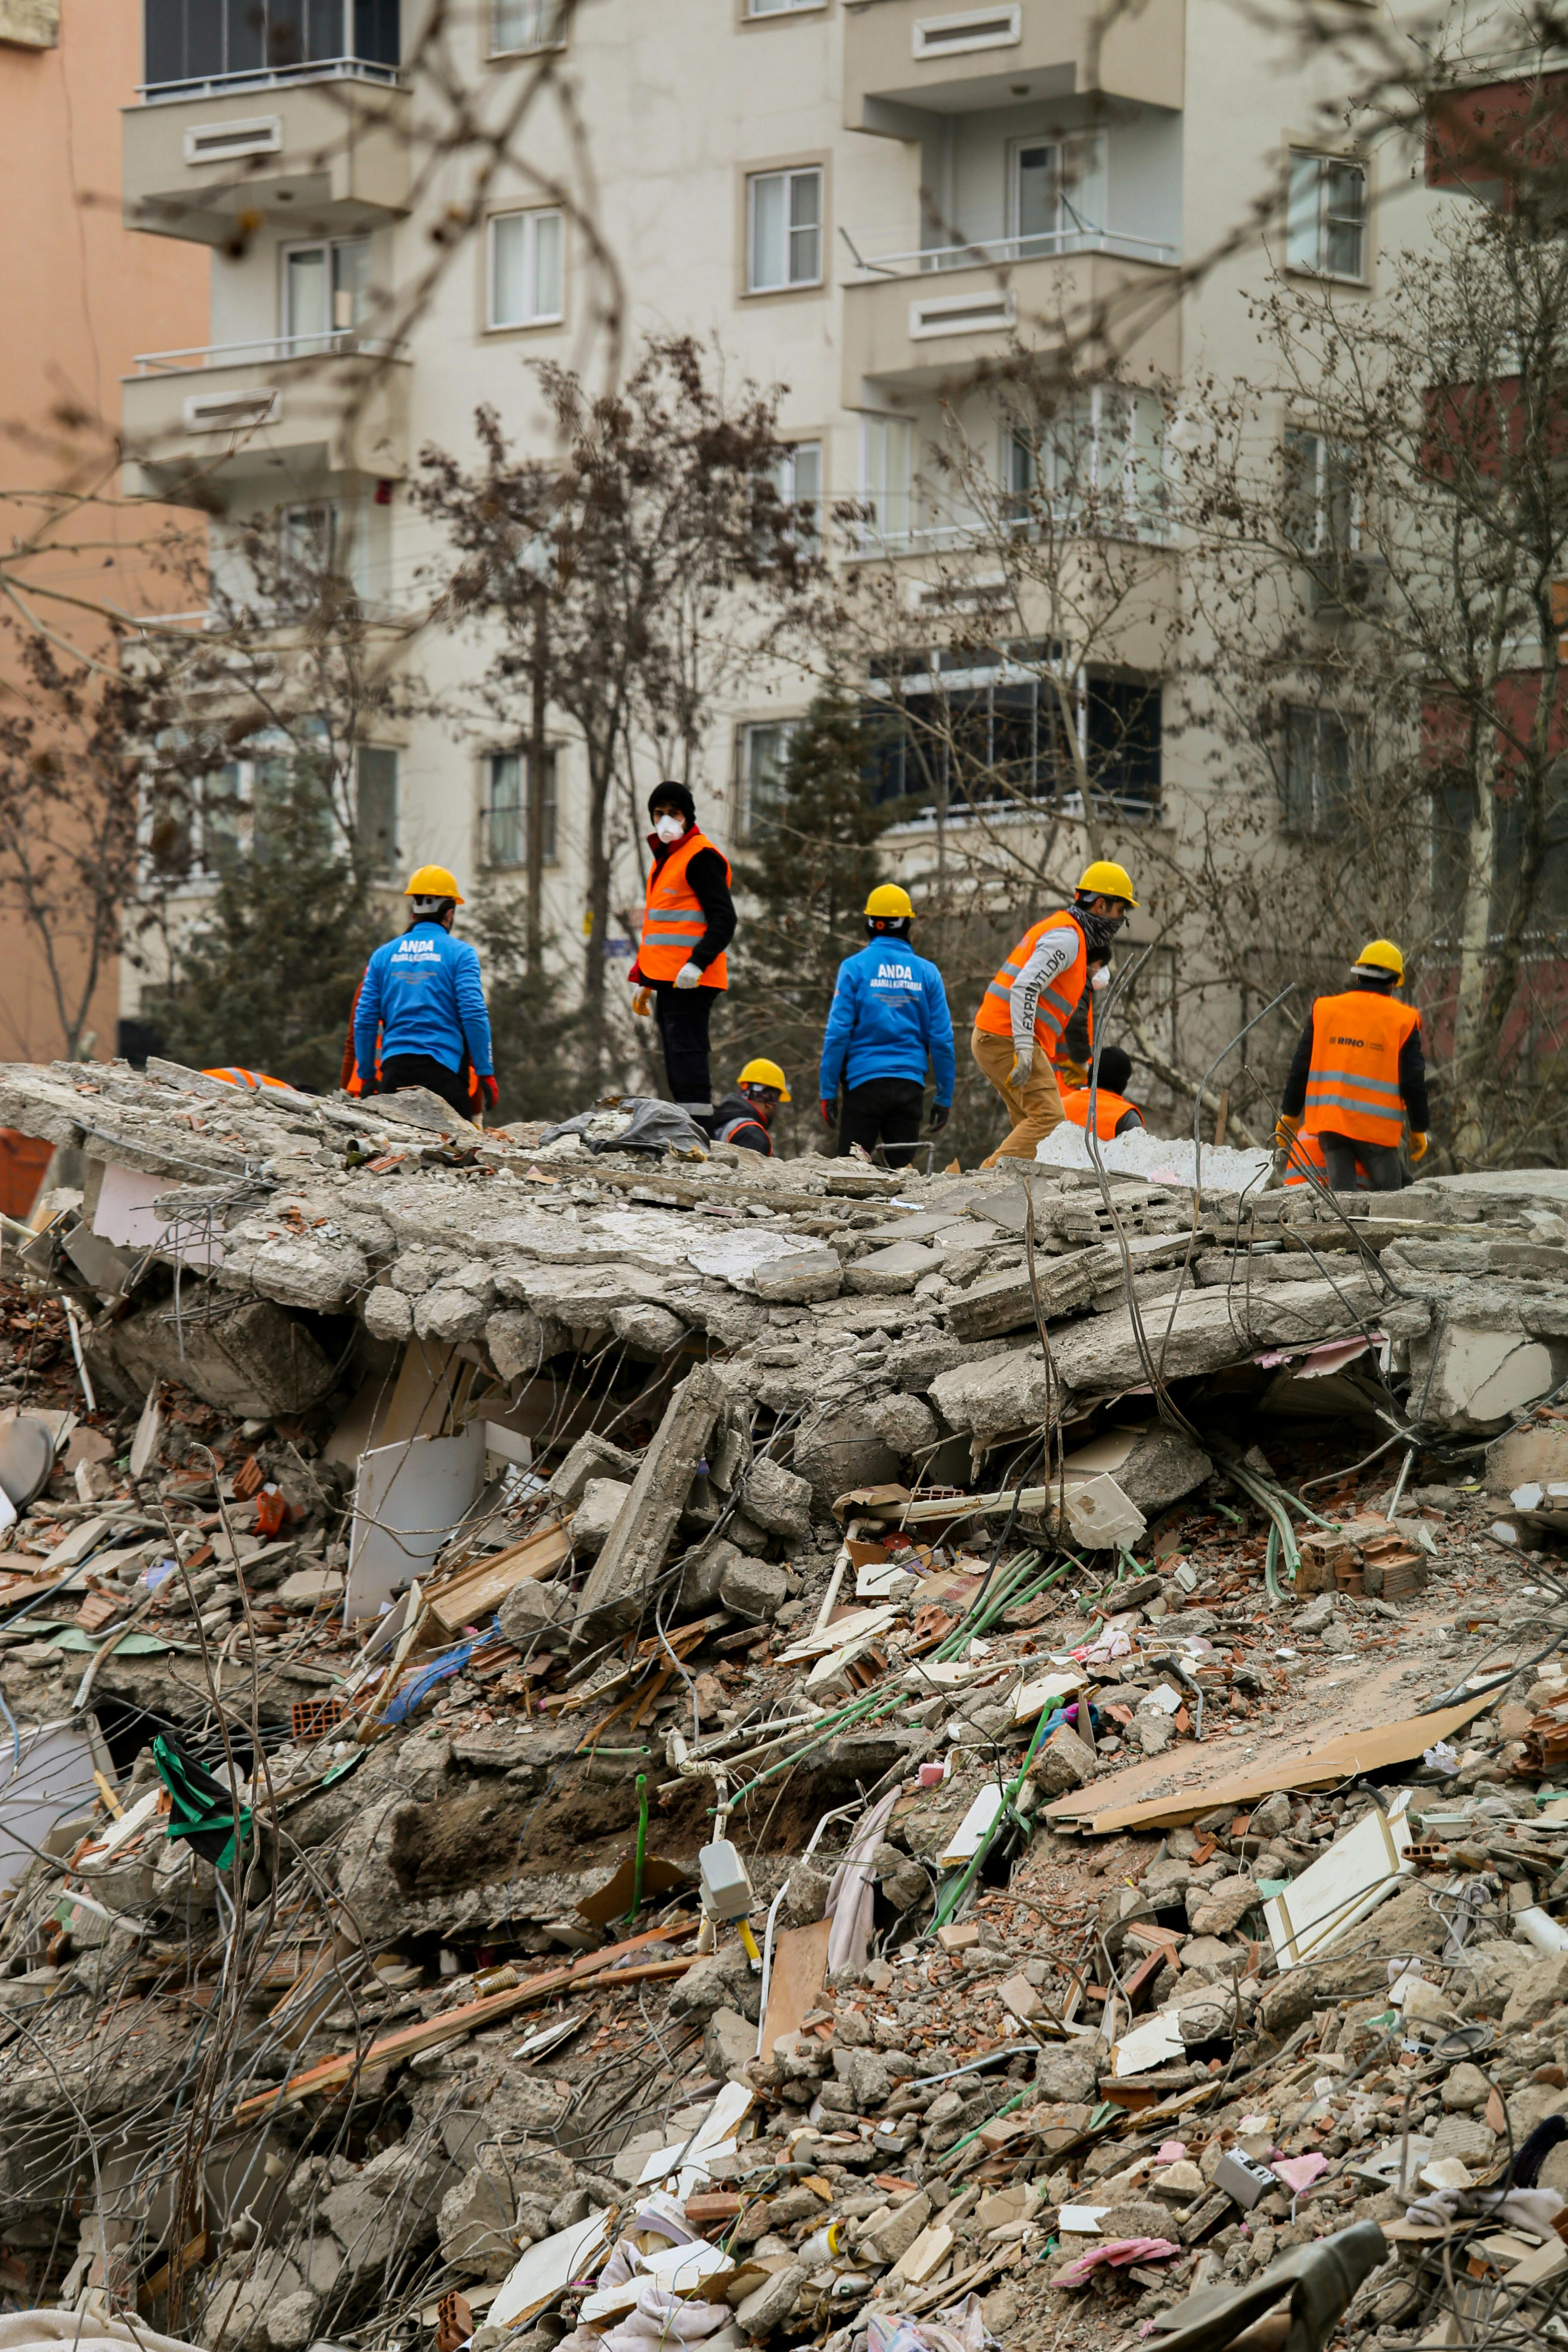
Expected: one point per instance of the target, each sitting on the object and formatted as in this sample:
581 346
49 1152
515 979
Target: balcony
906 57
920 320
290 108
242 425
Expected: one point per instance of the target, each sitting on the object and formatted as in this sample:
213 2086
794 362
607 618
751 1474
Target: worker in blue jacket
888 1020
420 1018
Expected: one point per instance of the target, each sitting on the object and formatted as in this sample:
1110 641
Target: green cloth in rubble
202 1808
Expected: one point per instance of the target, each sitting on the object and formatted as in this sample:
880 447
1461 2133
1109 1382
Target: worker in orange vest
1113 1114
1359 1074
1023 1013
688 920
1305 1163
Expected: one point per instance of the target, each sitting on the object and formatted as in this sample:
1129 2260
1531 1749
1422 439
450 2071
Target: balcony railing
195 48
344 343
1057 245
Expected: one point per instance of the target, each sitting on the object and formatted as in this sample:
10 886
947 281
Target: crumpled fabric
81 2331
1115 2255
963 2329
660 2317
1299 2172
653 1126
851 1892
1516 2208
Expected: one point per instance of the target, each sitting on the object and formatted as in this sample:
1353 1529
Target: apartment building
865 201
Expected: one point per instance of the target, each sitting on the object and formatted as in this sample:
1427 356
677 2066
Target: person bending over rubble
1023 1013
420 1017
1113 1114
745 1118
1358 1072
688 920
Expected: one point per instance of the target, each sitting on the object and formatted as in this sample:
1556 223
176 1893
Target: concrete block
771 2303
388 1315
1537 1992
253 1359
634 1553
1480 1377
753 1588
888 2237
310 1588
1215 1910
906 1422
531 1608
728 2045
842 1448
453 1311
884 1272
703 1575
1068 2073
648 1333
602 1502
591 1457
775 1499
518 1341
800 1278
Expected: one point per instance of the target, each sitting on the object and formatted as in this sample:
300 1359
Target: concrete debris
1082 1607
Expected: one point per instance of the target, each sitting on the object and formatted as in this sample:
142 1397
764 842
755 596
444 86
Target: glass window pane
513 25
230 37
764 754
324 29
1082 198
1038 185
548 812
217 799
508 269
351 283
375 807
1346 208
285 32
806 228
768 253
163 42
547 303
1302 243
806 468
376 32
504 832
305 283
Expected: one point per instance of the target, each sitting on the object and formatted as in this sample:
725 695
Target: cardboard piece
1343 1886
1156 2043
614 1902
1339 1760
973 1830
408 1498
548 2267
795 1986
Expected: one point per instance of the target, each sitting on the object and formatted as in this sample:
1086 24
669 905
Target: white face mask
1099 977
669 828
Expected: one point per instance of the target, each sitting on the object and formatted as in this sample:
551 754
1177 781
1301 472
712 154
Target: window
781 7
1319 750
326 291
1325 221
887 465
506 809
518 26
1322 496
375 807
763 754
797 478
231 42
784 230
1101 457
1058 193
986 725
317 543
525 269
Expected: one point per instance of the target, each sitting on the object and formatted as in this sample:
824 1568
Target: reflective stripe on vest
1108 1110
1354 1086
673 919
1055 1003
734 1126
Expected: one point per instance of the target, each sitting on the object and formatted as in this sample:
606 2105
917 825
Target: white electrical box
726 1883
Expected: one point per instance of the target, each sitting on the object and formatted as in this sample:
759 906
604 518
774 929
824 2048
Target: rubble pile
626 1746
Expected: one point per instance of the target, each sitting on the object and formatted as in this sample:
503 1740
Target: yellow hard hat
1107 881
889 900
765 1074
1381 955
433 882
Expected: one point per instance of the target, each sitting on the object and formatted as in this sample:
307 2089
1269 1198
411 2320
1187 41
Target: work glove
1286 1130
939 1115
642 1002
490 1091
1418 1147
827 1110
1022 1066
1072 1074
689 976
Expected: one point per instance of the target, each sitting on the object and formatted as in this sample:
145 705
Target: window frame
332 337
556 40
1322 812
809 167
1063 145
746 733
1328 446
518 755
1325 161
780 12
385 870
531 215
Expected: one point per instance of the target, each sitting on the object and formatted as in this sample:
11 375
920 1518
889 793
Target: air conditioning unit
225 142
1348 588
976 28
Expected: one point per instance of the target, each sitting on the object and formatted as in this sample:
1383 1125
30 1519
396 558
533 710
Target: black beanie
671 795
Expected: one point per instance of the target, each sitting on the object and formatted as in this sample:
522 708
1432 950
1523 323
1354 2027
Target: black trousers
425 1070
1382 1161
885 1111
683 1015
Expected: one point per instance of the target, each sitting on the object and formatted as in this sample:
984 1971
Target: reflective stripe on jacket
673 921
1353 1087
1109 1110
1056 1005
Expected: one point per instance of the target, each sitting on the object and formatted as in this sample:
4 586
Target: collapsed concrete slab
623 1577
248 1357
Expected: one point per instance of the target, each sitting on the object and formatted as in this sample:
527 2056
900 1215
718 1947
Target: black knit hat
671 795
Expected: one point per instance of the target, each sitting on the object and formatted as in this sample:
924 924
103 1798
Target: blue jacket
423 992
889 1016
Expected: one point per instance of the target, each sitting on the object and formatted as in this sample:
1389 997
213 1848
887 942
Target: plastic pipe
1547 1934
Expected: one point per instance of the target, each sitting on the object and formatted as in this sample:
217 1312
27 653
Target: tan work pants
1034 1108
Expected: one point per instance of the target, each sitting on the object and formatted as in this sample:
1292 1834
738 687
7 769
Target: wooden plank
335 2074
799 1972
478 1590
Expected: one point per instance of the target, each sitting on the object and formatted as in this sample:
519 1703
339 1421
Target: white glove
1022 1064
689 976
1099 977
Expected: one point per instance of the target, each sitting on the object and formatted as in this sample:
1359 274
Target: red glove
827 1114
490 1091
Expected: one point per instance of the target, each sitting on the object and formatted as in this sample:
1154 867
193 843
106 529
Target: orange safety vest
1307 1151
251 1082
1108 1110
673 921
1354 1086
1054 1006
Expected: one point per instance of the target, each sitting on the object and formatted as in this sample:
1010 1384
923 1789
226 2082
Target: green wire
962 1884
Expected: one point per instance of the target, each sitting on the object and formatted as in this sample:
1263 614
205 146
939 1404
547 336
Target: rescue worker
1358 1072
746 1117
888 1020
1023 1013
420 1017
1305 1164
688 920
1113 1114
